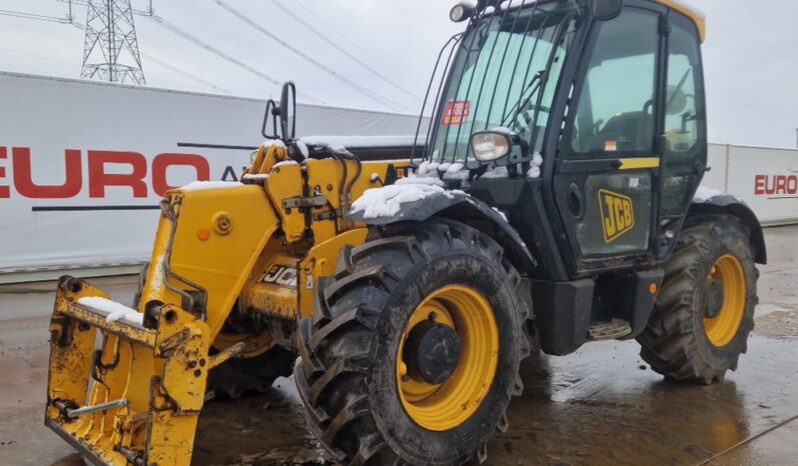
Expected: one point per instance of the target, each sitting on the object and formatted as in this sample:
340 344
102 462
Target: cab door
684 141
608 164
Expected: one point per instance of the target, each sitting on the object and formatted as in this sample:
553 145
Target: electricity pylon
111 51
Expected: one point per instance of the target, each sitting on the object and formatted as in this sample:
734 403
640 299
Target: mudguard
460 206
725 204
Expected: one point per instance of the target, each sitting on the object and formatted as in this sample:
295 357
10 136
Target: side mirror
605 10
270 116
288 111
489 146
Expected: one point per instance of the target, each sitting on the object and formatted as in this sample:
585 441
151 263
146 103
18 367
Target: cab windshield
504 76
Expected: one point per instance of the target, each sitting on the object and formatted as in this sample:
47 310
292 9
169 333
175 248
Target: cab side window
615 109
685 121
683 92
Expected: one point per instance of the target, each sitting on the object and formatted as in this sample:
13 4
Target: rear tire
682 340
349 374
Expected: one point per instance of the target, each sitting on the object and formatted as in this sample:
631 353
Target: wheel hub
447 357
432 351
714 299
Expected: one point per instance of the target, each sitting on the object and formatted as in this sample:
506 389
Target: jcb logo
281 275
617 214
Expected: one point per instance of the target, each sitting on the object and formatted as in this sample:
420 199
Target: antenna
111 51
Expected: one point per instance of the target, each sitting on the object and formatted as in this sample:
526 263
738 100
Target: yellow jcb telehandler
554 201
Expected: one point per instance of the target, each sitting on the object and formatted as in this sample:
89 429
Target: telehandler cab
554 201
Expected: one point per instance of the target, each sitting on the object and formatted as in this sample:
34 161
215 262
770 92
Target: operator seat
633 131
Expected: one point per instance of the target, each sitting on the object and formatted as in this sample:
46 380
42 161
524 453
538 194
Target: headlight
488 146
461 11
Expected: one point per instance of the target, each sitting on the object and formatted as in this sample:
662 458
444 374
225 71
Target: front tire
705 310
434 287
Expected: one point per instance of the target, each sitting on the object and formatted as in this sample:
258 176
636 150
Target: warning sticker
610 146
457 112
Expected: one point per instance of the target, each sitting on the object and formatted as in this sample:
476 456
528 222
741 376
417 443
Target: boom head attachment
136 399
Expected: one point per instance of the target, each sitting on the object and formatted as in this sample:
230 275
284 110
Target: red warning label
457 112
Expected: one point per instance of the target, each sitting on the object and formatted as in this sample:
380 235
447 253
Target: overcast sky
750 58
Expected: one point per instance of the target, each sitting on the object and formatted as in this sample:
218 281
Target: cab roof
698 18
676 5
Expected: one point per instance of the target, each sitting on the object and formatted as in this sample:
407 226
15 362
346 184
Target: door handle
575 200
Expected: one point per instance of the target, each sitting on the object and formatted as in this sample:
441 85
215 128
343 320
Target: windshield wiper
678 88
517 108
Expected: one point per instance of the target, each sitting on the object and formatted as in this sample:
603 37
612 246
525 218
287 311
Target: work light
490 145
461 11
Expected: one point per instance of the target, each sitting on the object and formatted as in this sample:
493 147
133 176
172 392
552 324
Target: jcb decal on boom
617 214
281 275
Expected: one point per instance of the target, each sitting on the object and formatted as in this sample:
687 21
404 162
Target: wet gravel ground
601 405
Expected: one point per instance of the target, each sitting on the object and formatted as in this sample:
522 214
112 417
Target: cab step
613 330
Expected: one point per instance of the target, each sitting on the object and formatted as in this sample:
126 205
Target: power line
155 60
199 42
70 16
149 13
349 54
41 57
159 20
33 16
345 80
351 43
184 73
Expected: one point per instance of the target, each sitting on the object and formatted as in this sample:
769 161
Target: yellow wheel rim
447 405
722 328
